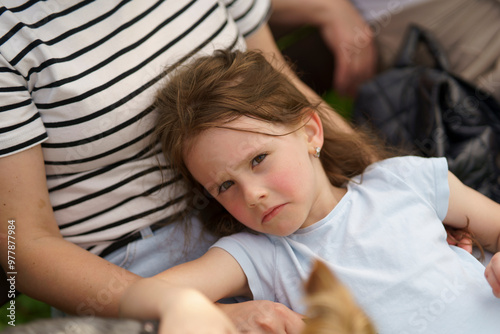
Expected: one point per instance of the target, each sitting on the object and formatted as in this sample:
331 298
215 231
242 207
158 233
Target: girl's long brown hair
214 90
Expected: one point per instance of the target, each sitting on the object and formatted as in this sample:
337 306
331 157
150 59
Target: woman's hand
492 274
264 317
344 31
351 40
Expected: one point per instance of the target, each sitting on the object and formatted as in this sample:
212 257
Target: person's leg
468 30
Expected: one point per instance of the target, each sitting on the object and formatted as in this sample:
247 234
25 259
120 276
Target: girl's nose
254 194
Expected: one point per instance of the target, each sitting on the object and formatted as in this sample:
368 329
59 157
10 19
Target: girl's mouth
269 214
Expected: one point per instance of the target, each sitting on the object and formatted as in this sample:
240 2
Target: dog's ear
332 309
321 279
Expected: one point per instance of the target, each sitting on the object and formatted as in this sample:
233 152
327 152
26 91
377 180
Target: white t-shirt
386 242
80 76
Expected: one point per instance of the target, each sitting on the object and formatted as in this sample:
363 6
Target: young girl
274 169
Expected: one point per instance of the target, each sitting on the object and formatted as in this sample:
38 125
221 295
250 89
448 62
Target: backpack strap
408 52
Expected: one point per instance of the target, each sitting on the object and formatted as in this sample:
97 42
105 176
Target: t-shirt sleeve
20 124
428 177
249 15
256 256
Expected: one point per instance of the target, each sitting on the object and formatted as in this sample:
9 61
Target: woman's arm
48 267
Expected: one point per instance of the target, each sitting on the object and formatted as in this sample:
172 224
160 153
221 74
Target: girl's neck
327 200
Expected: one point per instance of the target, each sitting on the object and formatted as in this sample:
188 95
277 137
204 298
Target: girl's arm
186 292
467 206
216 274
183 297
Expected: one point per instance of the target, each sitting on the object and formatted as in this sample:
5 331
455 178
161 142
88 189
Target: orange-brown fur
332 309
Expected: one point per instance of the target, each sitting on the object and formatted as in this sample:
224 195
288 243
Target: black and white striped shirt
79 77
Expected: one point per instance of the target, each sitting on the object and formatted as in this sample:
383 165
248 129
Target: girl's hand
459 238
194 313
264 317
492 274
180 310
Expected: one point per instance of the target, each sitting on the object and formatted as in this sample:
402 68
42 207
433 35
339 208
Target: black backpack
427 111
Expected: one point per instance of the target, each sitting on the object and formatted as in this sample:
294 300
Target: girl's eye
258 159
225 186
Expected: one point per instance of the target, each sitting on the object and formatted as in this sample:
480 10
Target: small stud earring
318 151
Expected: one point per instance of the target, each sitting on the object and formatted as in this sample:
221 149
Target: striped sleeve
249 15
20 124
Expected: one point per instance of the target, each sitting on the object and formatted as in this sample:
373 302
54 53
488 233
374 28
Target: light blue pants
162 249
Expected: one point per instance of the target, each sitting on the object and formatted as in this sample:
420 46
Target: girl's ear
314 131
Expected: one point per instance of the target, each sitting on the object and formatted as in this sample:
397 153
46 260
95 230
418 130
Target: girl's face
271 184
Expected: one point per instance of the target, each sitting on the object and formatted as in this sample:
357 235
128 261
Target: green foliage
342 105
293 37
26 310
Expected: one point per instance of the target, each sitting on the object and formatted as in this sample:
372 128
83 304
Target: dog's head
332 308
